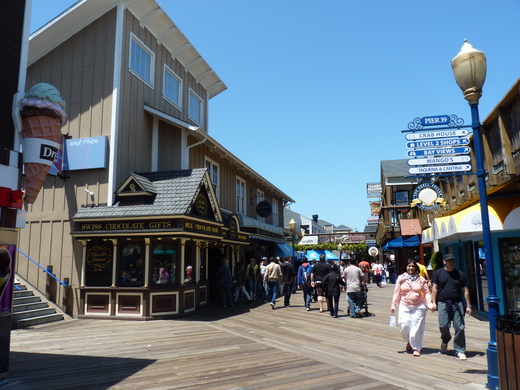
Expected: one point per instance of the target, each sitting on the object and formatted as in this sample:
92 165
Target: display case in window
510 260
131 261
164 263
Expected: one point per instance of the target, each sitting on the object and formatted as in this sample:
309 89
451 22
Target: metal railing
63 283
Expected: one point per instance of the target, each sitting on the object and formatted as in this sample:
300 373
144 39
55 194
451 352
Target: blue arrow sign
437 143
435 120
424 135
439 160
438 152
439 169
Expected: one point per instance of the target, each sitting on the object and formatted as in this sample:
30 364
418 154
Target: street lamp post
469 69
292 229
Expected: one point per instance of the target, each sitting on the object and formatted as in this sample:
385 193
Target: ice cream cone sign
42 117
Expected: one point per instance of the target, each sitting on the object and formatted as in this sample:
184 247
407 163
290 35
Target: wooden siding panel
169 147
82 70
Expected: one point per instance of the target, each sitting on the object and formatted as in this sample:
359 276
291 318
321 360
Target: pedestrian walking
354 279
422 269
413 296
304 282
226 283
365 267
273 277
332 283
289 275
261 287
252 277
377 273
240 283
448 291
317 275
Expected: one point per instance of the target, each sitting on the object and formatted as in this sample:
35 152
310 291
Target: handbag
392 321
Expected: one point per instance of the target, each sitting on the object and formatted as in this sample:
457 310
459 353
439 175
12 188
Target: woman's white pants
412 320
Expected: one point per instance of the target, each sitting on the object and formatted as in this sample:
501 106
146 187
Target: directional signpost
440 150
440 169
439 160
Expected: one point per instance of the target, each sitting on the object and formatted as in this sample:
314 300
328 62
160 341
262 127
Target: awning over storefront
401 242
427 235
315 255
246 221
504 214
283 250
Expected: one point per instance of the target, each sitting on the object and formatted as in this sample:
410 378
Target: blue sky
319 91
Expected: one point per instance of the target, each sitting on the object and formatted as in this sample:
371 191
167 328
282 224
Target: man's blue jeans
287 294
448 314
307 295
354 302
273 290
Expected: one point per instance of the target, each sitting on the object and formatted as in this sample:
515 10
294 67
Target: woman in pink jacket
413 297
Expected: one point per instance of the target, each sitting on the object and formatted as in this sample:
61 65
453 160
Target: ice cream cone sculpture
42 117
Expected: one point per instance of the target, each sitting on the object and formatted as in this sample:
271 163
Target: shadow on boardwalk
244 347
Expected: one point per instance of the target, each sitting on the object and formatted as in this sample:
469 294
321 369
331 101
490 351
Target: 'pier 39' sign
438 150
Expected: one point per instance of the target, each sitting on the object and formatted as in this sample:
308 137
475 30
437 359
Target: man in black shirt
317 275
449 287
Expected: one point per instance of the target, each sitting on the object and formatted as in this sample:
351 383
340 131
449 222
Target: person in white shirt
377 272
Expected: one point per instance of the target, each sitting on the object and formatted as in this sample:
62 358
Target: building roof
342 228
410 227
322 222
174 194
370 229
395 168
150 15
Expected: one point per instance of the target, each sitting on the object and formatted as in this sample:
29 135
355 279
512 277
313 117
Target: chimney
315 218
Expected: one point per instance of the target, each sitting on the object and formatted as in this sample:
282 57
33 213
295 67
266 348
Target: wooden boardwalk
244 347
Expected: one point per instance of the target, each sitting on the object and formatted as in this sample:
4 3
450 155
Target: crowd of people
323 281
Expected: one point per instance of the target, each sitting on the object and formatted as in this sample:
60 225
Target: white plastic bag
392 321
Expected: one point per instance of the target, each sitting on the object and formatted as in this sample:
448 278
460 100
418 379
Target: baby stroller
364 301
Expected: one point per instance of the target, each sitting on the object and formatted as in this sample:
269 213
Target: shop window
202 264
98 264
164 263
189 270
131 260
510 259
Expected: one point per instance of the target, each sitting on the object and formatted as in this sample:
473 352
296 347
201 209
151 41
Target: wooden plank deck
244 347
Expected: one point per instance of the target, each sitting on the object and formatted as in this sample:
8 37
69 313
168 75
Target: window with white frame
195 108
172 87
141 60
275 212
241 196
213 170
259 198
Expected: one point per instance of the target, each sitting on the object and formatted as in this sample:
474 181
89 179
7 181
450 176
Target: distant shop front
147 266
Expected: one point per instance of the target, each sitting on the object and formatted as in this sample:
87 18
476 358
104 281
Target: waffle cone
43 127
